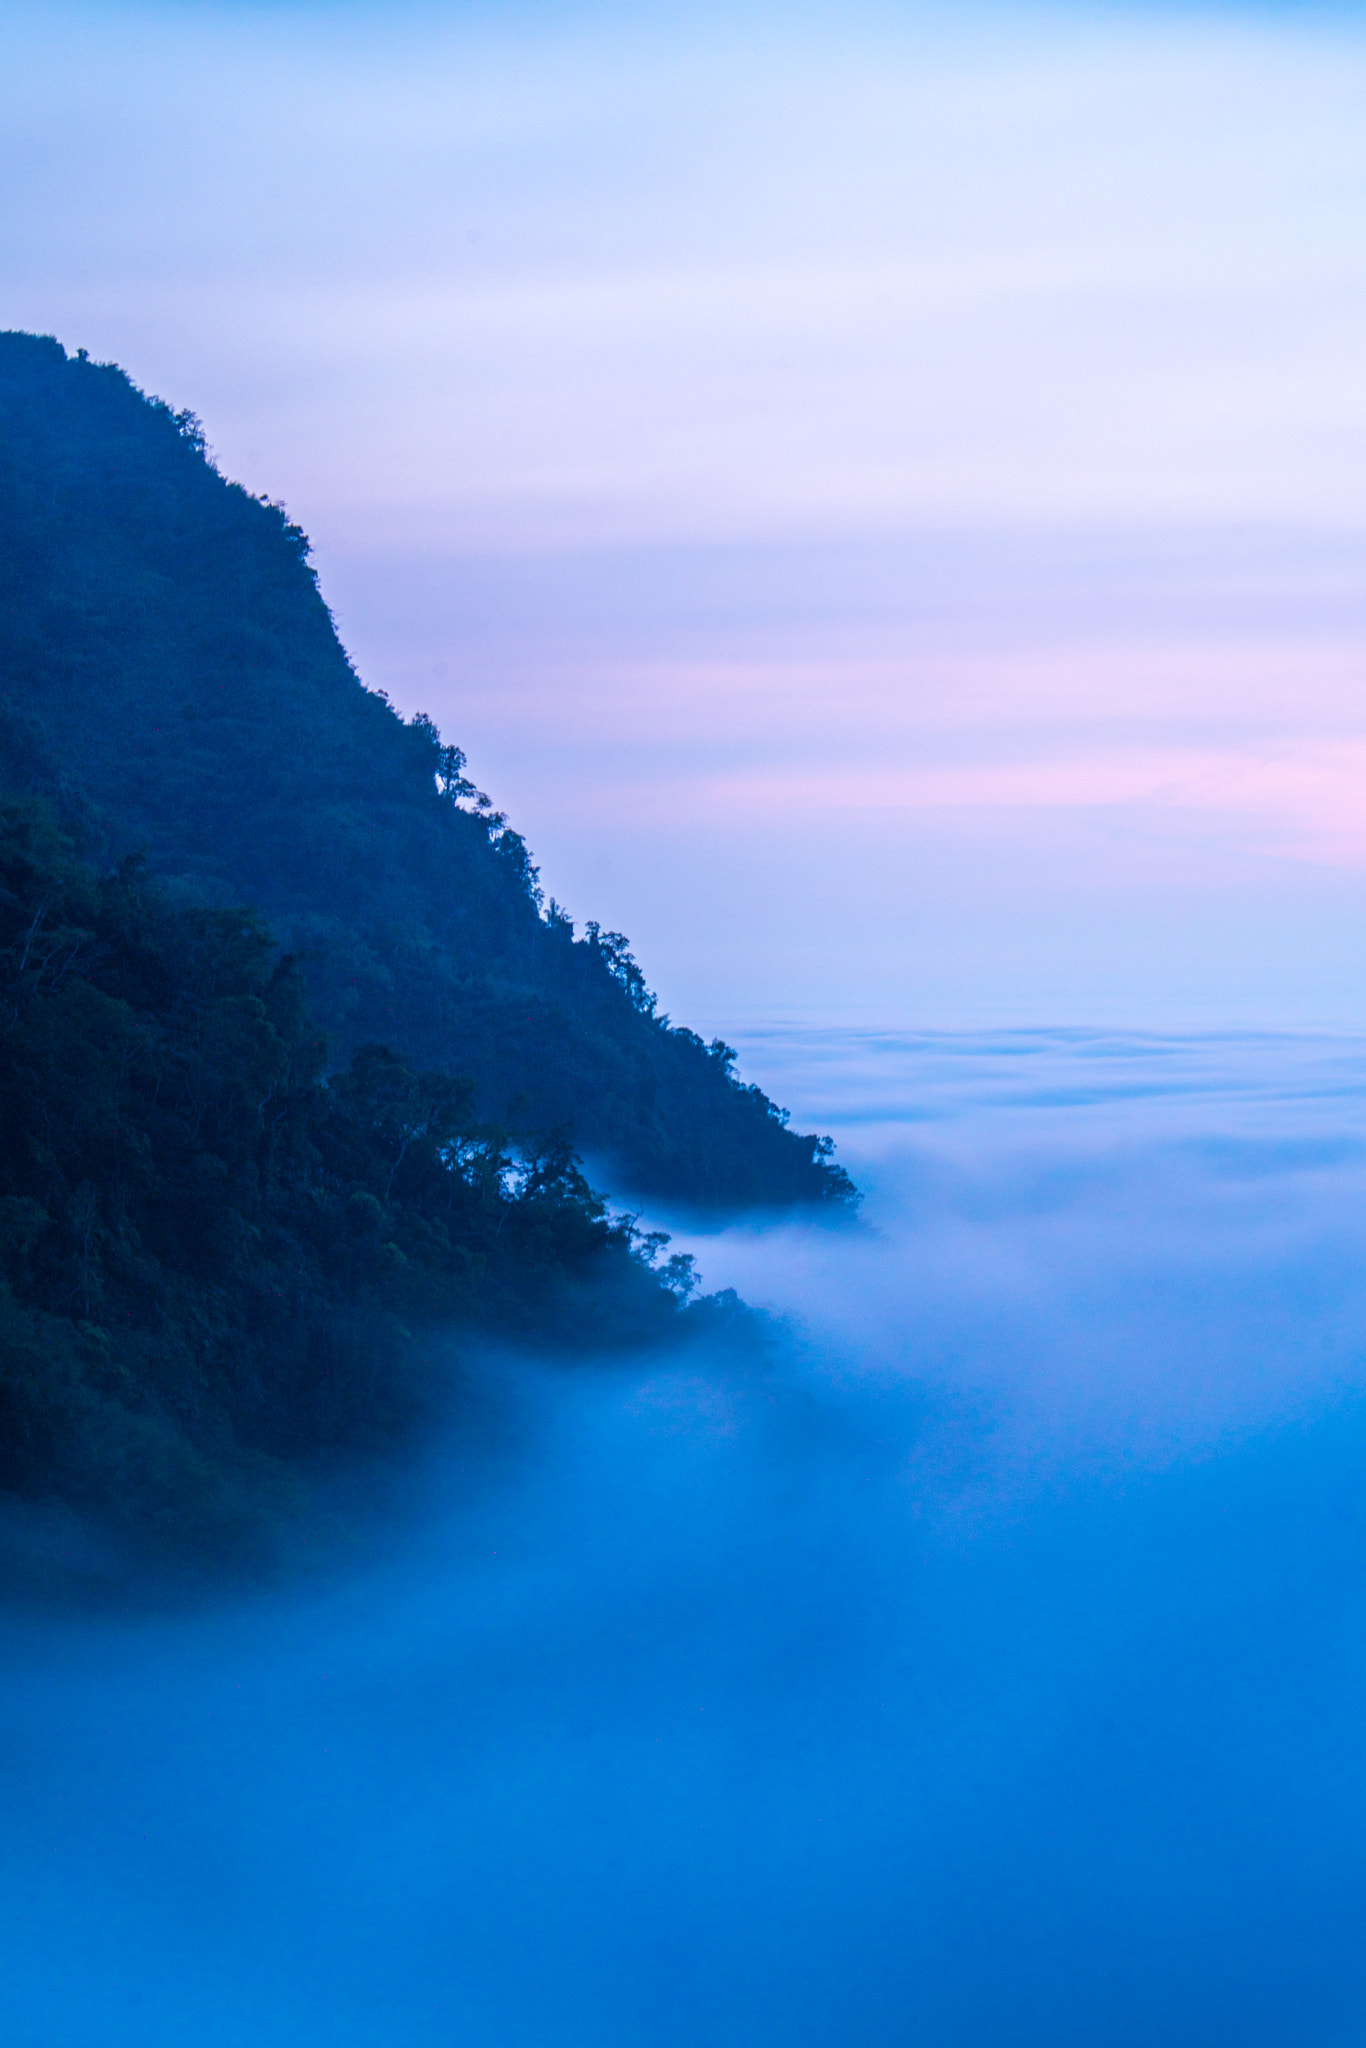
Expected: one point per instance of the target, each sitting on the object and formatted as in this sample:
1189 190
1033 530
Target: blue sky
879 498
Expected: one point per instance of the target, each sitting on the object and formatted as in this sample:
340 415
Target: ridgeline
170 674
257 1163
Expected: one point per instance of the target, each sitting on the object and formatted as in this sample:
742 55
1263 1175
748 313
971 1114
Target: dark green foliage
170 676
215 1262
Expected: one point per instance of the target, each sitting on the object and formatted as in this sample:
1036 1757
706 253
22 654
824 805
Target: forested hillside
171 679
216 1263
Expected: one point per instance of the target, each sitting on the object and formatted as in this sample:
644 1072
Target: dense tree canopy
215 1260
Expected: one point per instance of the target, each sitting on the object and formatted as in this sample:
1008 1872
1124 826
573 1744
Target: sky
878 495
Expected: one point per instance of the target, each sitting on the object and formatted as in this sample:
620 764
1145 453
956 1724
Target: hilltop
172 681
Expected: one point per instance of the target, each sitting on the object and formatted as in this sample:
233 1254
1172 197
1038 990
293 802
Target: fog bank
987 1668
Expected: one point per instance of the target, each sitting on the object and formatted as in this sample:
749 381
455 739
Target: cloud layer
987 1668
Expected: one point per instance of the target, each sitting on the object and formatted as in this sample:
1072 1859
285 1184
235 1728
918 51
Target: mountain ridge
171 677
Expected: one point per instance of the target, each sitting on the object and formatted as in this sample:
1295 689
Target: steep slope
170 675
215 1264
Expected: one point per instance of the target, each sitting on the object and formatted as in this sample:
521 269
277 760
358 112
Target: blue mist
988 1668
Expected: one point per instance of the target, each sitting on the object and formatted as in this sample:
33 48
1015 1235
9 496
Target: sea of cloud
986 1665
